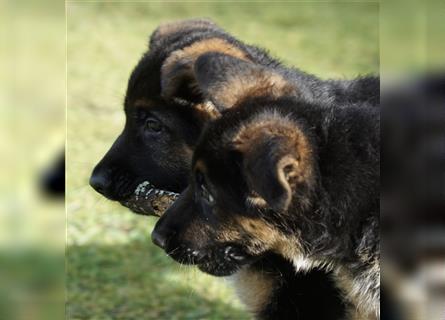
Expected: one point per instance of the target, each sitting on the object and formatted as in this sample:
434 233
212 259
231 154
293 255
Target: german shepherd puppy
152 155
279 174
166 111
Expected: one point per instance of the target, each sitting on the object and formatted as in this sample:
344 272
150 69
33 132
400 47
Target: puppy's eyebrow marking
144 103
200 166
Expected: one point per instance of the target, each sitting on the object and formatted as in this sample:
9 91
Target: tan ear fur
277 158
178 67
207 110
254 84
227 80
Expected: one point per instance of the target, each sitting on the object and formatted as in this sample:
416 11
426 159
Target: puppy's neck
360 288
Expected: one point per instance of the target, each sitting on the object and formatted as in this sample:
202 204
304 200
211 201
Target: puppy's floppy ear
177 74
178 27
226 80
277 160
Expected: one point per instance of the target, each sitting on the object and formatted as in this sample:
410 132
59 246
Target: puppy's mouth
221 262
149 200
225 265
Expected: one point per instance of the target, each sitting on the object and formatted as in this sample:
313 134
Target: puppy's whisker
172 251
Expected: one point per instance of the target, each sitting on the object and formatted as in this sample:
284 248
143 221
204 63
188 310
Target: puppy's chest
254 288
361 292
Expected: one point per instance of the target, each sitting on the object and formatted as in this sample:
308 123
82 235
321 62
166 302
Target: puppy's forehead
171 28
142 102
206 108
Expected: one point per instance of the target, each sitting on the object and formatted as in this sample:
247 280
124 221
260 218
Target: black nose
100 183
159 239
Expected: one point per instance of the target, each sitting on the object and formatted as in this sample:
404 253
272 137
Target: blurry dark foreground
413 199
32 221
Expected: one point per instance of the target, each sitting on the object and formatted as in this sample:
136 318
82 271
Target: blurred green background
32 133
113 270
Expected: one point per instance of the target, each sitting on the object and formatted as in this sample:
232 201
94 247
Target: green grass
113 270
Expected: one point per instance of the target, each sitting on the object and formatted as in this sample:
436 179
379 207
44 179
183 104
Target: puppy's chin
222 260
219 270
226 261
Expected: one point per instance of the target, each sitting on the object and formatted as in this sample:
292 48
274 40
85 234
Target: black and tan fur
163 89
277 173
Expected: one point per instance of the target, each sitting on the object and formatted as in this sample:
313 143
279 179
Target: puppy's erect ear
277 160
177 74
226 80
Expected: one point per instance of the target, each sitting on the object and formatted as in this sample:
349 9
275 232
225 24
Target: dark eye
153 125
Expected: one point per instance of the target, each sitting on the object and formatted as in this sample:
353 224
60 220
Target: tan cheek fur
264 237
261 237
